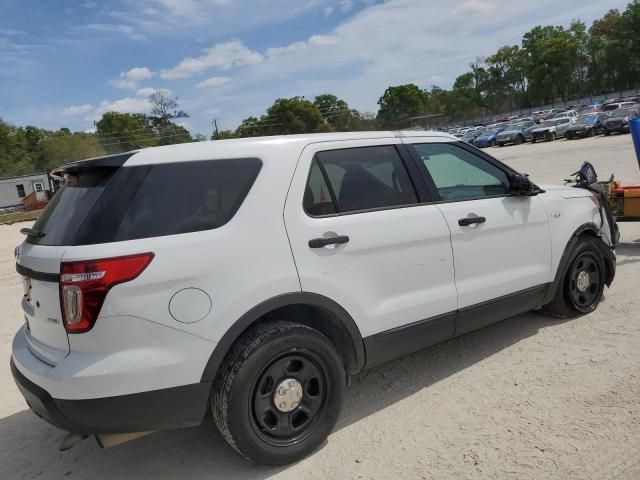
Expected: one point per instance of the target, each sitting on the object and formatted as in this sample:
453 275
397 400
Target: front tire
279 393
582 283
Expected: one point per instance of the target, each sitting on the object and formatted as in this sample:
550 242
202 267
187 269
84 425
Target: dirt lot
528 398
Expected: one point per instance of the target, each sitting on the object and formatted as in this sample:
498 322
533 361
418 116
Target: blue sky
64 63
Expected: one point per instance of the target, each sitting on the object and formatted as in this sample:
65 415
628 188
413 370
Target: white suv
254 276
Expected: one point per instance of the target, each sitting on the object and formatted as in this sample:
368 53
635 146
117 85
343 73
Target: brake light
85 284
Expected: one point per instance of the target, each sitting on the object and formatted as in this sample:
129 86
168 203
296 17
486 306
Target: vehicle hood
579 126
543 129
566 192
483 138
510 132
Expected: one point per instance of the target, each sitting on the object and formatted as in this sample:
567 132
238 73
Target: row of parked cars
569 124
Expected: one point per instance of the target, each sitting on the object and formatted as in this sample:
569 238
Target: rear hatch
75 215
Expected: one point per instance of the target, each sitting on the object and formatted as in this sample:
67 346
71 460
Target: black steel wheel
586 282
279 392
288 397
582 282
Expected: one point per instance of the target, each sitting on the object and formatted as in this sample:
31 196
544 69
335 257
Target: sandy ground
528 398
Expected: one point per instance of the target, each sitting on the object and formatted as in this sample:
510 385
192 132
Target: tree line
551 63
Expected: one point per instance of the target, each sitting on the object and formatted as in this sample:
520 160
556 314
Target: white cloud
120 29
75 110
328 11
213 82
476 7
146 91
122 105
346 6
382 44
224 17
130 78
221 56
323 40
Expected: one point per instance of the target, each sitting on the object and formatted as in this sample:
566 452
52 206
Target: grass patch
10 218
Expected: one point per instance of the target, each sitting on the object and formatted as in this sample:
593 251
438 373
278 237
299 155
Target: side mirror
520 185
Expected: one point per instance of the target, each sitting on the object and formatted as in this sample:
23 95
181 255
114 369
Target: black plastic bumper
183 406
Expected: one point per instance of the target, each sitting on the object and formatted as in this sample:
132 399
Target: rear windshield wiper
32 233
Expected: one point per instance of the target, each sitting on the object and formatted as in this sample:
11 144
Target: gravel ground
527 398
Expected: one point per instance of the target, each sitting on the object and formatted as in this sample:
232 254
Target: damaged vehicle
251 278
550 129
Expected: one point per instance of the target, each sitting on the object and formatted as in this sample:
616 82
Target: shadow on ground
29 446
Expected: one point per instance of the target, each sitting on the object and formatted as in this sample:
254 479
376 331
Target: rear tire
607 133
279 393
582 285
519 140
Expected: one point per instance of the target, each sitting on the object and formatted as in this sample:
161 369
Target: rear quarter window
188 197
115 204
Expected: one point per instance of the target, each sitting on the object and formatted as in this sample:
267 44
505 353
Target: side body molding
340 325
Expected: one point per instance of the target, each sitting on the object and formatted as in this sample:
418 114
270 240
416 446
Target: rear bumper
174 407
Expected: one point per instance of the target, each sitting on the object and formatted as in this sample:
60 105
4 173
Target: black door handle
465 222
323 242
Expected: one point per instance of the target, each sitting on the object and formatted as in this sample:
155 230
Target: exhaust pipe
108 440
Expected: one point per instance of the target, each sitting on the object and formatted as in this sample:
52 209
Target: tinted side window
459 174
363 178
188 197
317 195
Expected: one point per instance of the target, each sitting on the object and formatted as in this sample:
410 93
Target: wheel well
319 319
586 230
312 310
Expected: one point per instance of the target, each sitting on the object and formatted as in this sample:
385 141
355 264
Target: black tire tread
249 343
559 307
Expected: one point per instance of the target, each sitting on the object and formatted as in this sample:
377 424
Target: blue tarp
634 126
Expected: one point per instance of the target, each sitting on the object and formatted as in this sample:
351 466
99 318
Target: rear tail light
85 284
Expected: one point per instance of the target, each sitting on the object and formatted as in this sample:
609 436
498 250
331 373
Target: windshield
587 118
624 112
548 123
489 131
514 126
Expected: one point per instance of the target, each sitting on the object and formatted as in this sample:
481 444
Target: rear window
116 204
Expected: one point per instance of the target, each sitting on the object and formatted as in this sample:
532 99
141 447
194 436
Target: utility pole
216 134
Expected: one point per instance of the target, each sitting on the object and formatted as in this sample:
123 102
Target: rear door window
357 179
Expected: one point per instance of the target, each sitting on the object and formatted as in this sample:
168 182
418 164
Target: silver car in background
551 129
518 132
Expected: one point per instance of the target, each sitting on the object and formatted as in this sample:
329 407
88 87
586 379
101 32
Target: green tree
249 127
398 104
335 111
121 132
293 115
62 148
